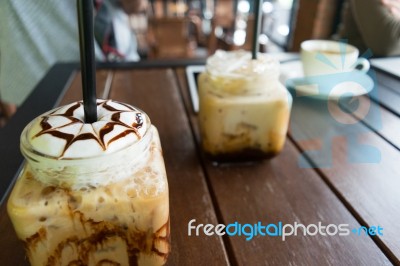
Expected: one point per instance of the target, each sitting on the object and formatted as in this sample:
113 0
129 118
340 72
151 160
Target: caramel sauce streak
34 239
61 135
110 108
84 136
115 117
47 128
123 134
165 239
105 130
100 233
71 110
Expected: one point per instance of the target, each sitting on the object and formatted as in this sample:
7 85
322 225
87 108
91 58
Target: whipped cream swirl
63 134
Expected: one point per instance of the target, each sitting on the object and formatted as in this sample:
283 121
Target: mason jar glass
109 209
243 108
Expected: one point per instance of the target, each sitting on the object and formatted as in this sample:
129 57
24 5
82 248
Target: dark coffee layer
242 156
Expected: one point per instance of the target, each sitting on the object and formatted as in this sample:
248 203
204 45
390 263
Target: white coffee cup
323 57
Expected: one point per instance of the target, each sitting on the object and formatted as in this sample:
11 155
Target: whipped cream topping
238 64
62 132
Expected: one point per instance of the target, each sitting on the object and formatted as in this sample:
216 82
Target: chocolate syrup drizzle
136 241
109 127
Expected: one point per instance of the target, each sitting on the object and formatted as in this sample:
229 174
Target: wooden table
357 194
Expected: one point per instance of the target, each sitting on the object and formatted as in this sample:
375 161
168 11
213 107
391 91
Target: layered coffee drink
244 109
92 194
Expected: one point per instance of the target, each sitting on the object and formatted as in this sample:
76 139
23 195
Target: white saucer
326 87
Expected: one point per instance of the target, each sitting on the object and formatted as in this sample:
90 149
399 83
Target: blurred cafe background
184 29
196 28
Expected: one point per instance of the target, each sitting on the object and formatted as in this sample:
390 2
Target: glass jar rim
89 171
216 66
27 148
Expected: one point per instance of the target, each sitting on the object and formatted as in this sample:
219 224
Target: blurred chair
171 37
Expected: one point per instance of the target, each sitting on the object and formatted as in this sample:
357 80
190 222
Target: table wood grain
278 190
369 190
268 191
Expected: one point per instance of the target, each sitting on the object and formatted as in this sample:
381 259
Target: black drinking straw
88 68
257 26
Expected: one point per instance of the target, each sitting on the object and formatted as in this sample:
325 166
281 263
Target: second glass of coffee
244 109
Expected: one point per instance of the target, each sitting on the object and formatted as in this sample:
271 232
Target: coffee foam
62 133
115 148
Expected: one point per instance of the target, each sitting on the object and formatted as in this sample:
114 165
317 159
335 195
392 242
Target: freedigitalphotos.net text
279 230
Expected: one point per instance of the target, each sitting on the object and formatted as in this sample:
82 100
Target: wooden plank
278 190
11 248
389 99
386 124
388 80
155 91
369 190
388 94
74 93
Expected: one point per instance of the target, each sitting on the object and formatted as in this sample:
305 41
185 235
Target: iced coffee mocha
92 194
244 109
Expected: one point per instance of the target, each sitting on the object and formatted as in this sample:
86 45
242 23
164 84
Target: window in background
277 19
276 22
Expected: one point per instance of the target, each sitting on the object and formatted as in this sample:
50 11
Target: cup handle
362 64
